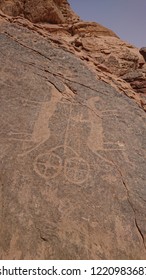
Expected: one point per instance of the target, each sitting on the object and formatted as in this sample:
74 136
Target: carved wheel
48 165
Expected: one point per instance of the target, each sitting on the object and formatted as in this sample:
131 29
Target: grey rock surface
72 157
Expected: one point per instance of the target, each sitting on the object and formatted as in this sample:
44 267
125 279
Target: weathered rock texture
51 11
143 53
72 142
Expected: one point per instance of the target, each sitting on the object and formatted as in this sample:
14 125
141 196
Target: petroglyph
67 130
76 170
48 165
79 116
95 140
41 131
94 118
78 113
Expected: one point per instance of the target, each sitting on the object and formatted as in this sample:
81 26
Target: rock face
143 52
51 11
110 54
72 142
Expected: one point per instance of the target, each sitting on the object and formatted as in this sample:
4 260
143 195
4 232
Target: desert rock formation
50 11
143 53
72 139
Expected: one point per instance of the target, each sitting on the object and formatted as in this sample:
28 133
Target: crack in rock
25 46
53 73
131 205
40 234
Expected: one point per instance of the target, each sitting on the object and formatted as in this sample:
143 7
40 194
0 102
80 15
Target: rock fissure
140 232
144 200
25 46
131 205
141 103
51 72
40 234
131 96
71 98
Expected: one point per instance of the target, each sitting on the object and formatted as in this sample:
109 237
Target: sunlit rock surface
72 142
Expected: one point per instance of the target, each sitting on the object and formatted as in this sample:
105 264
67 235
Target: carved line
43 164
49 165
76 170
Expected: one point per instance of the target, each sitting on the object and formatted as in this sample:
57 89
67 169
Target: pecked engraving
76 170
95 140
48 165
51 164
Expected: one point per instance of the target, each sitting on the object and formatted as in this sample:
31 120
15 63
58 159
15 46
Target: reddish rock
137 80
72 140
51 11
93 29
143 53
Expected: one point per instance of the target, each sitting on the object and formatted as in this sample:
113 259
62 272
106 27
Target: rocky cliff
72 139
50 11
